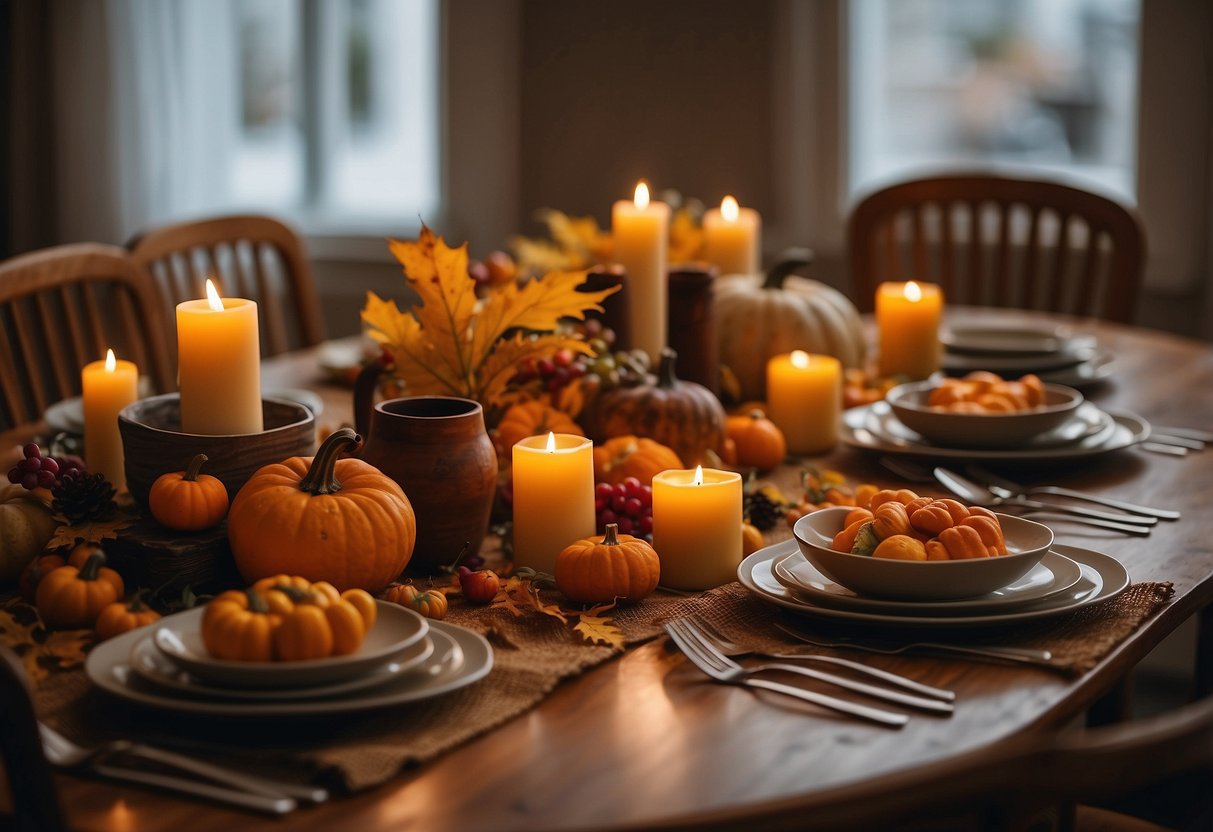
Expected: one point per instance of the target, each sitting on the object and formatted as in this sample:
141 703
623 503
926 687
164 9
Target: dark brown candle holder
153 444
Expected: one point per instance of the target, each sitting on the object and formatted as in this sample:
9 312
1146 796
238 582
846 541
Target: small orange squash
760 442
71 599
123 616
325 519
751 539
593 571
431 603
188 501
900 547
632 456
41 566
532 419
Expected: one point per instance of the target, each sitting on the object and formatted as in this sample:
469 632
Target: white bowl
934 580
980 430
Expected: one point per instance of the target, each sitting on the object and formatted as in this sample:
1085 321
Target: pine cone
83 498
762 511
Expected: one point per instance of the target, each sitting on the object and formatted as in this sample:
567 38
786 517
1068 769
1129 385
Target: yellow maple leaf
599 630
446 345
542 256
686 238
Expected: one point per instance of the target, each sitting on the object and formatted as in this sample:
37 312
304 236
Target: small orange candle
553 497
219 365
640 232
907 318
109 386
697 527
804 398
732 238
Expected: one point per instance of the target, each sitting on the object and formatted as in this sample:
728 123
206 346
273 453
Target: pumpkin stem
780 271
757 413
612 535
95 561
666 379
256 601
191 470
321 477
137 604
297 595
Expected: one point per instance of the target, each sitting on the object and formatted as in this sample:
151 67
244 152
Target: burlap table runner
532 654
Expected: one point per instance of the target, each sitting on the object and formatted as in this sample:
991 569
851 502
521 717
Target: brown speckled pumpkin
681 415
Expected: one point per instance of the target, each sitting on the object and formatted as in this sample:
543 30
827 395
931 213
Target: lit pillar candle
907 318
732 238
109 386
697 527
804 398
219 365
553 497
640 231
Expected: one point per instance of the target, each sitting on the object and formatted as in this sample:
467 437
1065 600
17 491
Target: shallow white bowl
933 580
980 430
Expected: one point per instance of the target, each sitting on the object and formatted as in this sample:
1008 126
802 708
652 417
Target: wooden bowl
153 443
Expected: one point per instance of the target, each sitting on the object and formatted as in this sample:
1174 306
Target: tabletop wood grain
644 740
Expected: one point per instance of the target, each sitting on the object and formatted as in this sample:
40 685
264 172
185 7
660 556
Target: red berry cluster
553 372
628 504
38 471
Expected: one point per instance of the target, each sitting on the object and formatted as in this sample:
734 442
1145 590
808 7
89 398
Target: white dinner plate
1126 429
1012 341
1054 575
1101 367
1009 366
1086 421
1103 578
150 664
460 658
179 637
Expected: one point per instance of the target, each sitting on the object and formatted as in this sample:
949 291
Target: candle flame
641 199
913 292
110 362
728 209
212 296
698 475
551 442
800 359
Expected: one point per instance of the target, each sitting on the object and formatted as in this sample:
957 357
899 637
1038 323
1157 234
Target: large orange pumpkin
632 456
326 519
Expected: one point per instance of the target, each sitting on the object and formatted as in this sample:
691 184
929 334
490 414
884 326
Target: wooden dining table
645 739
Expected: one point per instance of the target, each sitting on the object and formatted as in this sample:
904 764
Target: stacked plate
1056 354
404 658
1067 578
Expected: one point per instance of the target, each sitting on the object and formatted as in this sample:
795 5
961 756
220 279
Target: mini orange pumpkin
760 442
123 616
325 519
900 547
751 539
188 501
531 419
593 571
70 599
632 456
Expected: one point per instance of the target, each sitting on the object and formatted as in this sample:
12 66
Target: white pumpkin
26 526
760 316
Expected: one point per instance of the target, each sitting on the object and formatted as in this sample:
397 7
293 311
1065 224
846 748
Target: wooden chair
61 308
253 257
999 241
33 799
1016 785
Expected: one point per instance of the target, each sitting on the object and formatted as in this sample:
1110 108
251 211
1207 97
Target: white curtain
130 151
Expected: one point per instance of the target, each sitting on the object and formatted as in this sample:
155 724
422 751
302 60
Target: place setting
1058 354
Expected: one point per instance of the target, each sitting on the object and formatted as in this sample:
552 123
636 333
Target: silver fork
1004 487
1021 655
237 788
933 704
723 669
735 650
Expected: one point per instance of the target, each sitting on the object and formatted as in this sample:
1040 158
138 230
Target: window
1046 84
338 107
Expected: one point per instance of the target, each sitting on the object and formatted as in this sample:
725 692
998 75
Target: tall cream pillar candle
732 238
804 398
553 497
697 527
219 365
108 386
907 320
640 232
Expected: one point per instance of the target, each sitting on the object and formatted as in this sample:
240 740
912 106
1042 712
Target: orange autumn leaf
446 345
599 630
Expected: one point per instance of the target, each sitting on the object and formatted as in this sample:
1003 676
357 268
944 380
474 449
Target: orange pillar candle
804 398
907 318
697 527
640 232
219 365
109 386
732 238
553 497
